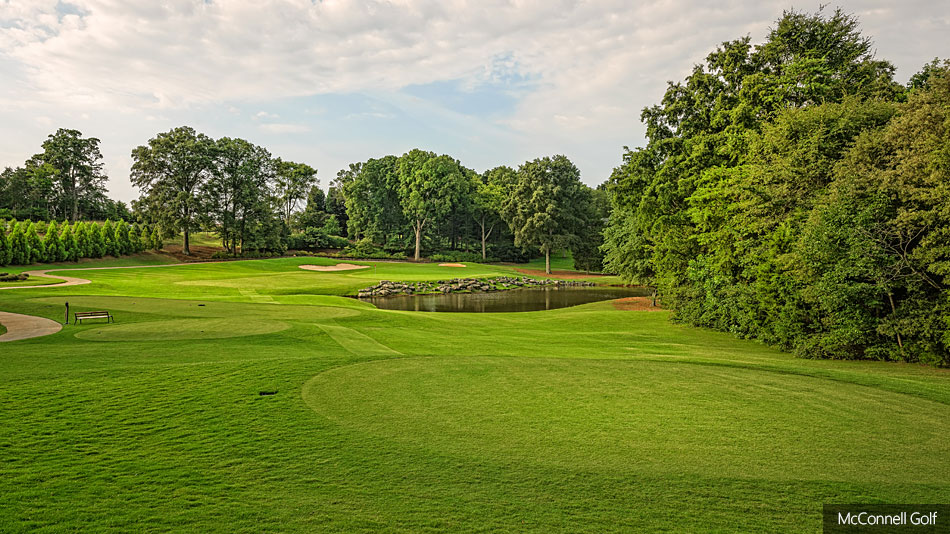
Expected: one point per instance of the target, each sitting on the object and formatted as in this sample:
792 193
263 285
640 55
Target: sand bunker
451 265
337 267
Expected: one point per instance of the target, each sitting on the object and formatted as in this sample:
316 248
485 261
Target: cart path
26 326
74 281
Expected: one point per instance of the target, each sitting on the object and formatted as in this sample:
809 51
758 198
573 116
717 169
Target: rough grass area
253 396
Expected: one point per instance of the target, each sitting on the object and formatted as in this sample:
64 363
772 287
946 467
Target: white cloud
581 70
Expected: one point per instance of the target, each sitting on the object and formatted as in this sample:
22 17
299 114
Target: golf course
257 396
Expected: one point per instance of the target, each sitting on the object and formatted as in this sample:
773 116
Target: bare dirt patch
451 265
562 275
337 267
636 304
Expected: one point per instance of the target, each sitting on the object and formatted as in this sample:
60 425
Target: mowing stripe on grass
355 342
257 297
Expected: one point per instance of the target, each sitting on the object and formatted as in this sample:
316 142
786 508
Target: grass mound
182 329
639 417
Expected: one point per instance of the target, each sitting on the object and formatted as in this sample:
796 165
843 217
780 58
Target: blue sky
338 81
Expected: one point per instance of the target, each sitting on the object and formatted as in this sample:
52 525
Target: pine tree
82 239
156 239
108 239
71 251
135 236
123 244
37 250
5 255
54 247
19 246
94 238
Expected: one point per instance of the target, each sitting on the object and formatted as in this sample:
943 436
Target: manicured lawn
584 419
31 281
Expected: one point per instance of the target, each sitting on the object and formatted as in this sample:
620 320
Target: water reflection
516 300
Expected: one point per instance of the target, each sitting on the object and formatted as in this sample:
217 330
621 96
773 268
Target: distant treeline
422 201
793 192
64 181
26 242
392 206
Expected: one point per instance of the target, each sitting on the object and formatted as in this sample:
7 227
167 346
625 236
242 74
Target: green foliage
430 189
107 233
171 171
293 181
548 207
95 243
123 241
314 239
70 248
6 253
37 249
365 248
779 183
54 246
332 225
19 246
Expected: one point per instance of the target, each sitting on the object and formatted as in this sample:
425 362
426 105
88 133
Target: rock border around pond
385 288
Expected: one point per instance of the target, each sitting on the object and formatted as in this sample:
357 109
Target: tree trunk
75 199
654 297
484 252
418 226
187 250
900 343
547 260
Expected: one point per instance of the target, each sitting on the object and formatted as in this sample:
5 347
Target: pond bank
385 288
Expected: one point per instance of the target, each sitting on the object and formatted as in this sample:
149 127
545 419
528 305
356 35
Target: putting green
640 417
180 329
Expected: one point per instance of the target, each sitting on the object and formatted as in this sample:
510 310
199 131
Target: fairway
256 396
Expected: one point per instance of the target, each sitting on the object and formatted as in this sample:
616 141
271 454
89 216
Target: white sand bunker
451 265
337 267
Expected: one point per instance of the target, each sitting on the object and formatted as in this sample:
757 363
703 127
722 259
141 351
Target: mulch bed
636 304
563 275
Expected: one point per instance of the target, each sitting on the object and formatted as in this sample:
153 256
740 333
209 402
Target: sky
333 82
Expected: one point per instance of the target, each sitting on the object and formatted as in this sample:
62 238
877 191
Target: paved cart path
21 326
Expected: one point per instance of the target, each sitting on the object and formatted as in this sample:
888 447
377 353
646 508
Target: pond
515 300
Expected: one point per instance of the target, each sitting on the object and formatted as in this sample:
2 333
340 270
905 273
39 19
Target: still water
515 300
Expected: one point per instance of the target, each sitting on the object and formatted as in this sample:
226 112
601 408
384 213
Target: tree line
422 201
793 192
189 181
63 182
26 242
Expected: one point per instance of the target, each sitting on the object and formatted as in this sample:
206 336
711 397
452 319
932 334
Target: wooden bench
79 316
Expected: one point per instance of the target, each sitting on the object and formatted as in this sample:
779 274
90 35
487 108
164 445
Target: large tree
78 169
490 191
170 171
292 183
547 205
430 187
238 186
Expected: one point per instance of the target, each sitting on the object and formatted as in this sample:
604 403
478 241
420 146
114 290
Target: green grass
584 419
32 281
